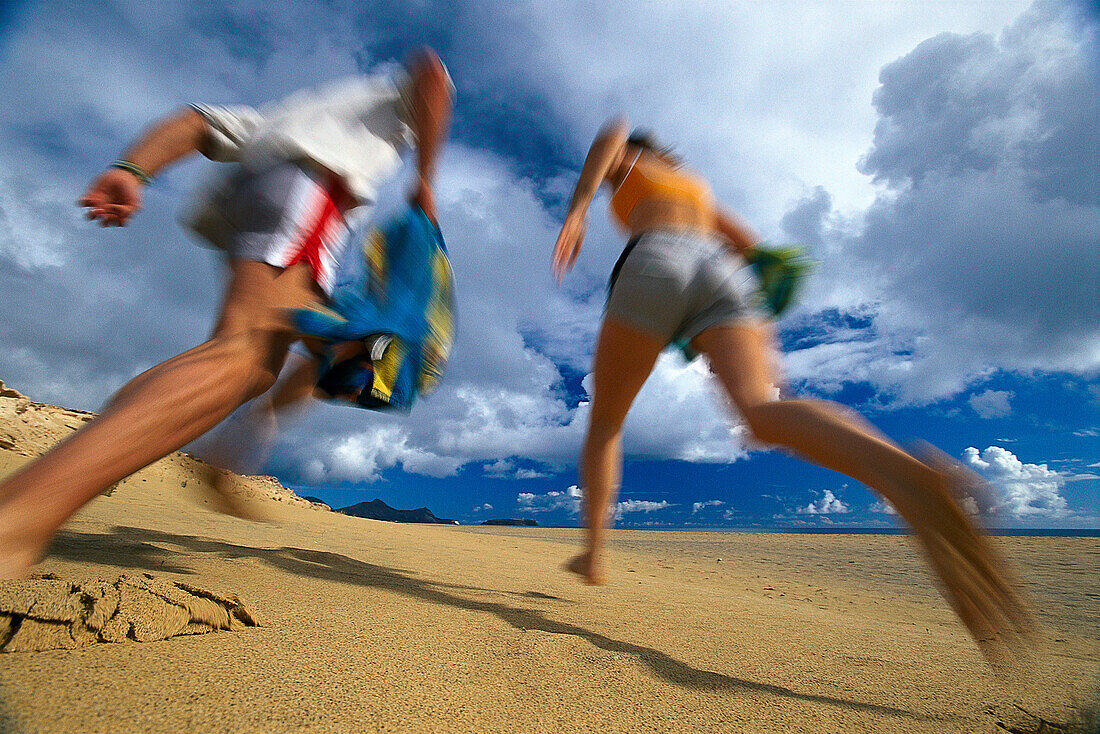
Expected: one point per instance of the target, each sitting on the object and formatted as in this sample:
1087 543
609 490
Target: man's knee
253 358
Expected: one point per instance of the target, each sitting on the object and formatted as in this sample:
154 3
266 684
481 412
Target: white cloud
647 506
697 506
992 403
363 456
882 508
568 500
781 123
1023 490
504 469
499 468
41 220
829 504
977 254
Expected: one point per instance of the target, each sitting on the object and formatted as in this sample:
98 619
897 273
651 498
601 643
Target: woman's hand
569 244
113 197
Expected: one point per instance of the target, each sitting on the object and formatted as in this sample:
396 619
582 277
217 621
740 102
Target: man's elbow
192 127
613 132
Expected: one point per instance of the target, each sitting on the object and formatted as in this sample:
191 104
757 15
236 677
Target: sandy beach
374 626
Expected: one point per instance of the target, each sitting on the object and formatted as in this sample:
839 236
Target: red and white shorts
286 214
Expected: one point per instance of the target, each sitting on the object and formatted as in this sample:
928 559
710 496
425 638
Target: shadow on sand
138 548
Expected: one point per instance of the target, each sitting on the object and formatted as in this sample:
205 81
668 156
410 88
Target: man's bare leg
156 413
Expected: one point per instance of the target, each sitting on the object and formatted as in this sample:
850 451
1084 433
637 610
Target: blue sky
940 160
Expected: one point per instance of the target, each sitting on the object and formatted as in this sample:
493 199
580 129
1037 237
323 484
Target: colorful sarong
389 325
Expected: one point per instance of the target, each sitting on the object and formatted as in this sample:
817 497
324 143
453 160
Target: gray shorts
675 285
281 214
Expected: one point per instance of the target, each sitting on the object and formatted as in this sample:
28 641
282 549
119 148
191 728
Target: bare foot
222 490
973 576
583 566
19 554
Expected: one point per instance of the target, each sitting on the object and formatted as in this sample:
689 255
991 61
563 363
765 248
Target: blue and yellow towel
393 311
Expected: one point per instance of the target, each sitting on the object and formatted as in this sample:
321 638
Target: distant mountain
523 522
379 510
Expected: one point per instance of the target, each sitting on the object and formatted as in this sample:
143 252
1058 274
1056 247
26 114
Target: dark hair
647 141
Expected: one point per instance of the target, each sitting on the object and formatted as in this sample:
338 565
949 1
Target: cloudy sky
940 160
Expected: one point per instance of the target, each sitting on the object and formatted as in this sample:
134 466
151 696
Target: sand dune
373 626
28 429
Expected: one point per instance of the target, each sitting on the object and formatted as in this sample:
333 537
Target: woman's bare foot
583 566
973 576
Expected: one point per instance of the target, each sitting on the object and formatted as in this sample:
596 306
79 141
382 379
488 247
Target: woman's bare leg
830 435
156 413
624 358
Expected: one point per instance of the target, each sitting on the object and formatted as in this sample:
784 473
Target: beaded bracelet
141 174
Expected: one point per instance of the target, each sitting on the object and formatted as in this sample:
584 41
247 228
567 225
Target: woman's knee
769 421
604 424
772 421
761 420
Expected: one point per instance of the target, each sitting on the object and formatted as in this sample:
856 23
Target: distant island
379 510
523 522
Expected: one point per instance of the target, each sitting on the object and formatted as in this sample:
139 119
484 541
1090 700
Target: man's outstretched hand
112 198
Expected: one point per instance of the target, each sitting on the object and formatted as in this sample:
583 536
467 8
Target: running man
301 165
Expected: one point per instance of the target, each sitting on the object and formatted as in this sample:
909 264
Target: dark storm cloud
985 245
806 222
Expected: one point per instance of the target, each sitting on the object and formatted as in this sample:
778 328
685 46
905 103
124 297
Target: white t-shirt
358 128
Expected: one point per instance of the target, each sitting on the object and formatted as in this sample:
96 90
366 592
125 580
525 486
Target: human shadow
138 548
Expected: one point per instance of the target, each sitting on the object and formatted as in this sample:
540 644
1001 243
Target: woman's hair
648 142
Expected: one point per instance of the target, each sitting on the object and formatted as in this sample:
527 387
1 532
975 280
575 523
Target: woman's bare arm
735 231
605 154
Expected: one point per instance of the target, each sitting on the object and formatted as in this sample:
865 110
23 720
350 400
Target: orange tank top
671 185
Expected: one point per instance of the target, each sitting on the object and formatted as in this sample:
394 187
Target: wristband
140 173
